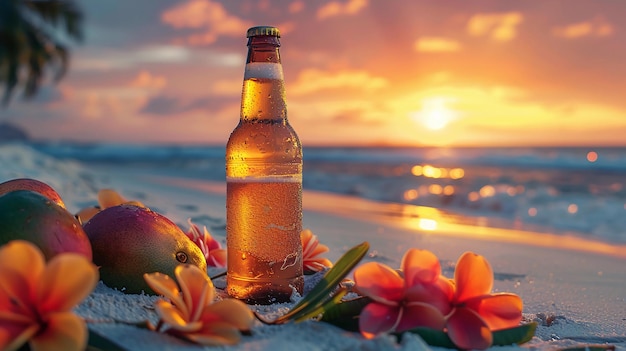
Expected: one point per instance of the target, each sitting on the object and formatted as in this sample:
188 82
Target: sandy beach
578 284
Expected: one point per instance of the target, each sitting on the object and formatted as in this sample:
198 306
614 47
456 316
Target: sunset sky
485 72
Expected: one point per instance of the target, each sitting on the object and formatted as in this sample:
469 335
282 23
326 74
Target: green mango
31 216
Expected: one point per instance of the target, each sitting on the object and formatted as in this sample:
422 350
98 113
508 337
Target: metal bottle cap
263 30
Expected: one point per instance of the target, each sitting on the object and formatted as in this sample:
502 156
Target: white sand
580 283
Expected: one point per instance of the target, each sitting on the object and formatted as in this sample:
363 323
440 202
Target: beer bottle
264 183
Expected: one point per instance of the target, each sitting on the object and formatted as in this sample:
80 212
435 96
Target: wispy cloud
148 81
497 26
312 80
436 44
296 6
597 27
336 8
208 16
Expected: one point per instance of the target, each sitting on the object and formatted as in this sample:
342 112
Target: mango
31 216
32 185
129 241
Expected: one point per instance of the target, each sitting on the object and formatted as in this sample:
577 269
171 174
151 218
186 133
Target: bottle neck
263 96
263 48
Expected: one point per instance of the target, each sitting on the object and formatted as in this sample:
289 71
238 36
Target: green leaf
321 293
98 342
516 335
345 315
336 298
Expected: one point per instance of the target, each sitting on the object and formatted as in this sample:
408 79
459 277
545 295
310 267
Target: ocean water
558 190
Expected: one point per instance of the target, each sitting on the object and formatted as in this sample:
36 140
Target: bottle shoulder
264 140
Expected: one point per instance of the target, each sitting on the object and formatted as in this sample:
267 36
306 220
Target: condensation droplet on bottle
244 256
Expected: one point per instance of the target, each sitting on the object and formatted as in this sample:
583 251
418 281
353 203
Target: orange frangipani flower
211 248
417 297
311 249
191 312
476 311
106 198
36 299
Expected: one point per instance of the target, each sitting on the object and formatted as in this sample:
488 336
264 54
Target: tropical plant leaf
98 342
516 335
28 42
345 315
336 298
321 293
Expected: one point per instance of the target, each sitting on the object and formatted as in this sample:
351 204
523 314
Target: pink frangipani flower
211 248
417 297
311 250
475 310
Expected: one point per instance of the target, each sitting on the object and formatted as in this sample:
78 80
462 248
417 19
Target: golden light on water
411 194
427 224
435 189
430 171
448 190
457 173
572 208
487 191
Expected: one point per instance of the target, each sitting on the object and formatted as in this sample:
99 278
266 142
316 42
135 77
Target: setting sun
435 114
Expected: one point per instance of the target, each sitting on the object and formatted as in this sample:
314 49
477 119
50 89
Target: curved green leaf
321 293
516 335
345 315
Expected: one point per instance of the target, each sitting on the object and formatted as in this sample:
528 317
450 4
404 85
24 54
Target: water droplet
244 256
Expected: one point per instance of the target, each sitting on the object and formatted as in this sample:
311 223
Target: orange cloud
596 27
210 16
312 80
335 8
146 80
296 6
435 44
497 26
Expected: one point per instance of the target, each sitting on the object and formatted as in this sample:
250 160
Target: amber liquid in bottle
264 185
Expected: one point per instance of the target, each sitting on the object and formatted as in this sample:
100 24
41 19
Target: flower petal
13 335
420 267
65 282
379 282
420 315
499 311
473 276
438 294
162 284
217 258
15 294
64 331
231 311
317 264
215 334
197 288
377 318
21 265
109 198
467 330
174 318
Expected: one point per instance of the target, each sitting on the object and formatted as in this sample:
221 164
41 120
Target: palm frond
29 42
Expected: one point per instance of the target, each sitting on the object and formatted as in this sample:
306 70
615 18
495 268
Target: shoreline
423 220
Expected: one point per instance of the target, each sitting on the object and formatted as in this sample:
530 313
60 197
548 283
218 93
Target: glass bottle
264 183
